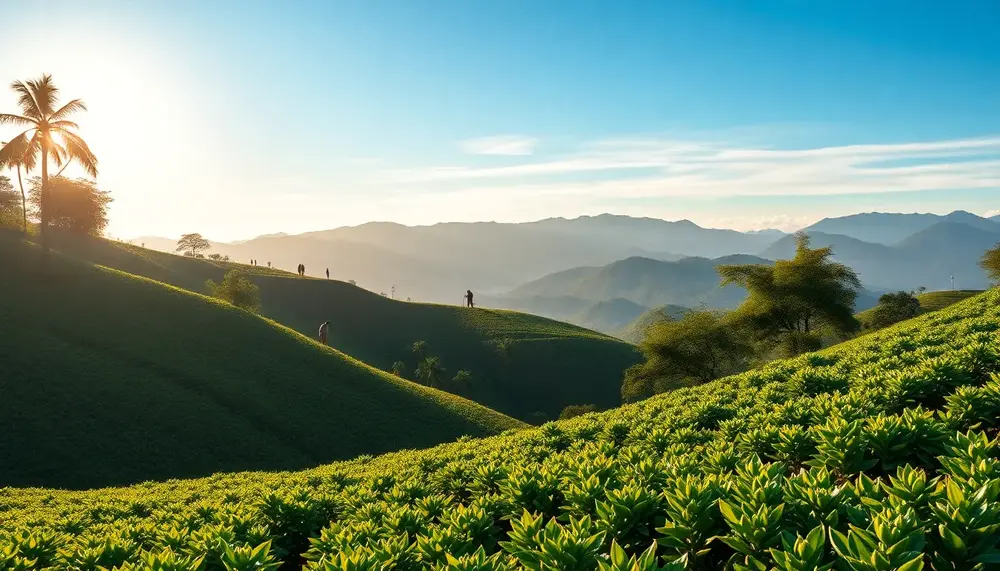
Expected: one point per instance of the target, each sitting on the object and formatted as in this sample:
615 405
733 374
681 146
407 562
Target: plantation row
879 454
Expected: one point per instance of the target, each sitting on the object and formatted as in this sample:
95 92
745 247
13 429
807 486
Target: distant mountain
439 262
995 218
688 282
612 315
928 258
890 229
635 331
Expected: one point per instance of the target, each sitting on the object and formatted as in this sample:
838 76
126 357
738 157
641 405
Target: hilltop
110 378
635 331
895 429
890 229
520 364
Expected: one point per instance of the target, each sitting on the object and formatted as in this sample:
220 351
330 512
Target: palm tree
430 372
49 135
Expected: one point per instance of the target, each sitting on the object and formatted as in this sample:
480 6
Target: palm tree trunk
45 197
24 203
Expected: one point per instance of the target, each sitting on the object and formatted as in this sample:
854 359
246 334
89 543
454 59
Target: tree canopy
797 296
893 308
991 263
10 204
76 205
699 347
192 244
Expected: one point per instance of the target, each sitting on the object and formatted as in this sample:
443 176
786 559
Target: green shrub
237 289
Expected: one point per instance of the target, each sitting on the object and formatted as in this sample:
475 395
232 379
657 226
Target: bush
238 290
892 308
577 410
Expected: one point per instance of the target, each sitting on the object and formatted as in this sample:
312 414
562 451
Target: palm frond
26 100
68 109
46 94
19 120
64 124
16 150
77 149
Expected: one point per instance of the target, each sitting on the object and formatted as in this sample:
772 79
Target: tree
577 410
192 243
399 369
991 263
238 290
462 381
794 297
892 308
10 207
430 372
75 205
699 347
218 257
49 135
419 349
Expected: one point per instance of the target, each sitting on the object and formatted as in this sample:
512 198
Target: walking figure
324 329
468 298
328 273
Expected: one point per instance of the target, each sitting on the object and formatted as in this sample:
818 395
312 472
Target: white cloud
657 168
511 145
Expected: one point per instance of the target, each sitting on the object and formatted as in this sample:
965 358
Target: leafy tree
10 206
238 290
991 263
76 205
399 369
893 308
430 372
192 243
699 347
218 257
577 410
49 135
797 296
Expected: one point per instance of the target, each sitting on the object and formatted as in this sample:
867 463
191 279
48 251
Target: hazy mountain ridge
892 228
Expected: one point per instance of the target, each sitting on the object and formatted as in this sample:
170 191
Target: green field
108 378
879 453
520 363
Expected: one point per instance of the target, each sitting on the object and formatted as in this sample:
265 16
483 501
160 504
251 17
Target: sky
235 119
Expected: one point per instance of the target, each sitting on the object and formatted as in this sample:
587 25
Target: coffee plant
878 454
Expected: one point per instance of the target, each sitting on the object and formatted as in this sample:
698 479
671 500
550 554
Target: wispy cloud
655 168
511 145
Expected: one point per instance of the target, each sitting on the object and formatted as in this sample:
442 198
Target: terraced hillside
880 453
108 378
520 363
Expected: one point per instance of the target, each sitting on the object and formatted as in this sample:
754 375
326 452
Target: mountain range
601 271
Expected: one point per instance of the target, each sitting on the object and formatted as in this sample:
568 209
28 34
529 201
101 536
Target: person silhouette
468 297
328 273
324 330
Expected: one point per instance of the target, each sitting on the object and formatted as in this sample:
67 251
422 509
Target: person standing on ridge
468 298
328 273
324 330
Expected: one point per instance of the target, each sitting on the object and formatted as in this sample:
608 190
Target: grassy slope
520 363
110 378
935 300
674 443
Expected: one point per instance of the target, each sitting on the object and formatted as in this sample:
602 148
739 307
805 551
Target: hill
688 282
611 315
513 357
635 331
433 263
896 430
110 378
935 300
927 258
890 229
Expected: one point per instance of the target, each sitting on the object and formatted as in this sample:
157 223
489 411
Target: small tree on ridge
191 244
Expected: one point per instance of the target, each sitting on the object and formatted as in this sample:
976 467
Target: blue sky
292 116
